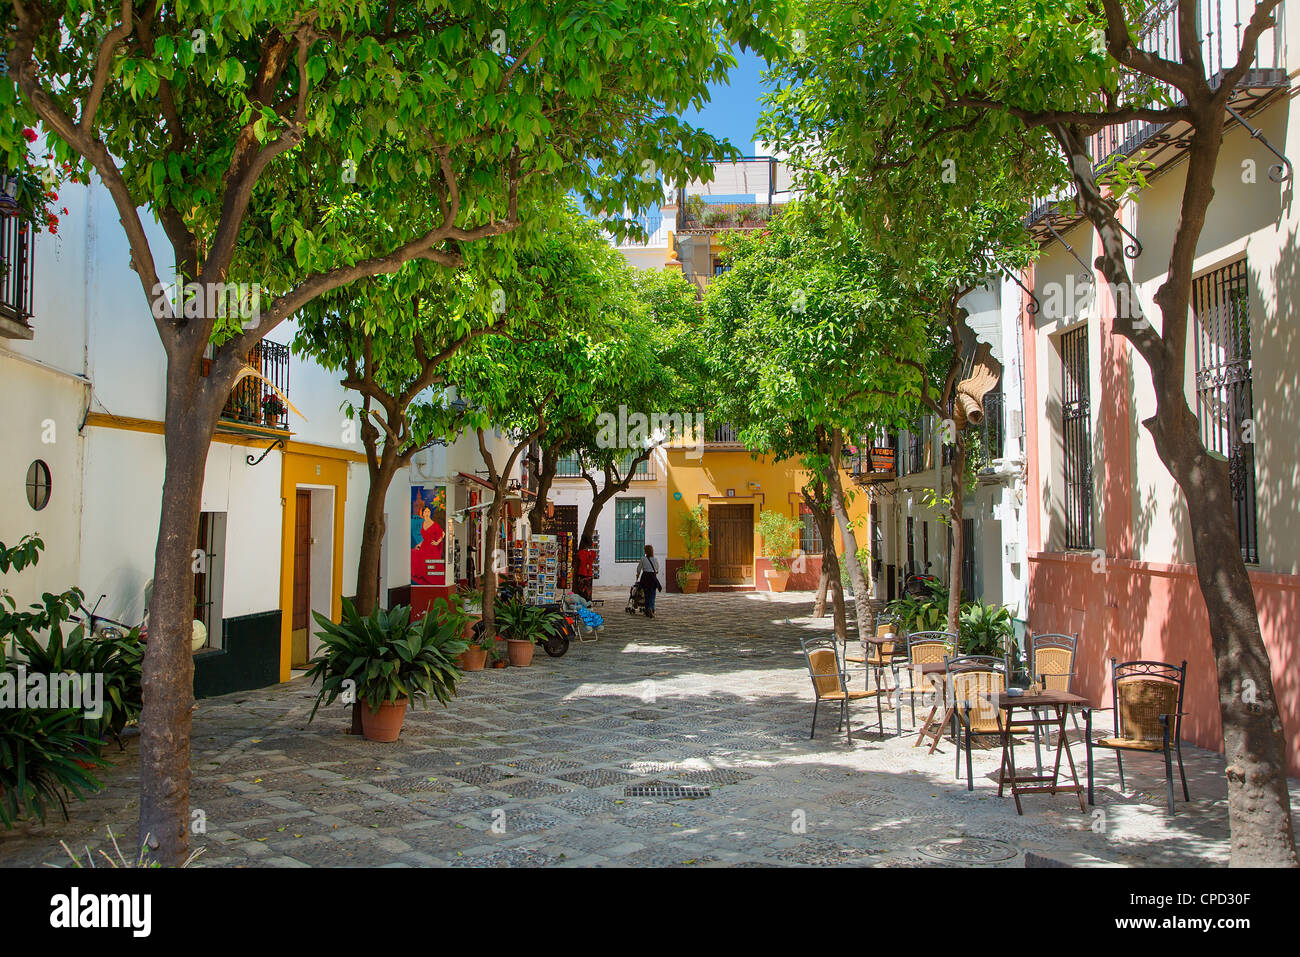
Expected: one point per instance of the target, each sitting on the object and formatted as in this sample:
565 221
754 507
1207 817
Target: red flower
64 210
29 135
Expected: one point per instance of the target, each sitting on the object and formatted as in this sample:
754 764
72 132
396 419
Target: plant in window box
273 409
385 661
780 539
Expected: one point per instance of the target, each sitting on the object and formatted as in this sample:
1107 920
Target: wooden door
301 610
731 544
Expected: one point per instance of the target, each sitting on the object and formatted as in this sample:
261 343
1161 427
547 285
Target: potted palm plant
522 625
780 539
385 661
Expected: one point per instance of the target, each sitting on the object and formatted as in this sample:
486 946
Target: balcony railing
253 401
570 467
15 275
723 216
1221 23
722 433
876 462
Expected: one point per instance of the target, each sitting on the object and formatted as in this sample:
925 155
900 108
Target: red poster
428 535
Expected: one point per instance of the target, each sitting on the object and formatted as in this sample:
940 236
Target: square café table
1059 702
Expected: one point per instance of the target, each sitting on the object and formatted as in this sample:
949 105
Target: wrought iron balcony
722 434
877 462
705 217
1222 24
15 275
253 401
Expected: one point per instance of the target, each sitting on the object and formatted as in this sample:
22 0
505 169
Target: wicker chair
1148 706
928 647
830 680
974 682
1051 663
881 657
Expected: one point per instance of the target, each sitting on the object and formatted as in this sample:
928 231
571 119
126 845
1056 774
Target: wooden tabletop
1042 699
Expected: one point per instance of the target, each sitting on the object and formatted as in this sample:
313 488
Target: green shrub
780 537
46 754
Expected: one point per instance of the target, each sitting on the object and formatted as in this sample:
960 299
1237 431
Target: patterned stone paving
545 767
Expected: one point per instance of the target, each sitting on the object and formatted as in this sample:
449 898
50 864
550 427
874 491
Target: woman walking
649 570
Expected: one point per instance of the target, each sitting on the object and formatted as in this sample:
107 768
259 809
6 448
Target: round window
38 485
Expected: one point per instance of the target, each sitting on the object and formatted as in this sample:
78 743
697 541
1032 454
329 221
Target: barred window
1076 433
629 529
810 536
1224 398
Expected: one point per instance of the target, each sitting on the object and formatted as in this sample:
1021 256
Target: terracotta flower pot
472 659
777 578
520 653
692 584
498 664
385 724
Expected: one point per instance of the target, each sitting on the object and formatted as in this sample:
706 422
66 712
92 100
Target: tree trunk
491 561
372 540
1254 741
823 584
168 669
545 475
861 596
1254 744
958 474
598 503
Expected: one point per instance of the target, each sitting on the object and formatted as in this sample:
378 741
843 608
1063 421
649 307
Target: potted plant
522 625
693 526
272 408
385 661
780 539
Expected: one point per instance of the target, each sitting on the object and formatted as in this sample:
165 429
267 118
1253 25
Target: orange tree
887 96
232 124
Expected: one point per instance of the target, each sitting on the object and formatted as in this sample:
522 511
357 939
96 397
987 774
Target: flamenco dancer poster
428 535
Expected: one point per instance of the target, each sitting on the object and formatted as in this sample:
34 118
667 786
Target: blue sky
733 109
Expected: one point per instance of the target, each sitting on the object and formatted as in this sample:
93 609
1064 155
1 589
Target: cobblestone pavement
677 741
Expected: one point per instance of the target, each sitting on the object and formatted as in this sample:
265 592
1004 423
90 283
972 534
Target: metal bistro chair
974 683
881 657
928 647
1051 663
830 680
1148 704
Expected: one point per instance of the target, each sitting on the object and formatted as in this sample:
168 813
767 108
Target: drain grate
671 792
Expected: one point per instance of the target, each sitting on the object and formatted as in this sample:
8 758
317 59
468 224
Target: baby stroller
635 599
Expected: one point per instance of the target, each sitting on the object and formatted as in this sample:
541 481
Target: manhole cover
968 850
671 792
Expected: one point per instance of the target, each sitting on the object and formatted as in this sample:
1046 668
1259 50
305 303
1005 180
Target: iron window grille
1076 433
629 529
1224 396
205 577
810 536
